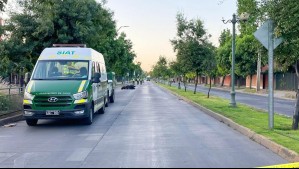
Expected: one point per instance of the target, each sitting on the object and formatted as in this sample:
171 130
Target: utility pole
258 72
271 67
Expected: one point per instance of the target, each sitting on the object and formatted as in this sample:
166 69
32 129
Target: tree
250 7
287 54
246 56
160 69
178 70
223 54
249 53
190 44
43 23
2 4
120 55
209 64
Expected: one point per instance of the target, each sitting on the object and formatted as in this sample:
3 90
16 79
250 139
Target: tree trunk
210 87
179 86
185 85
250 85
223 79
296 111
196 83
296 114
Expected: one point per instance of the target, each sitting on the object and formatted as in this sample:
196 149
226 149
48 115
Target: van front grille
62 101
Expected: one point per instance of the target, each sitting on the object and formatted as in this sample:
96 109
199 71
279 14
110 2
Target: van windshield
61 70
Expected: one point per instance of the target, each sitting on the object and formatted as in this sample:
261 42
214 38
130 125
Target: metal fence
286 81
11 100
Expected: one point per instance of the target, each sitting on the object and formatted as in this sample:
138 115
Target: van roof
69 53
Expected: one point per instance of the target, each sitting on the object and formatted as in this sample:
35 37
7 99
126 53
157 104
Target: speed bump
290 165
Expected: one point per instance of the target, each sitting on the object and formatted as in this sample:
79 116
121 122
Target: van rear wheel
107 99
102 110
31 122
112 97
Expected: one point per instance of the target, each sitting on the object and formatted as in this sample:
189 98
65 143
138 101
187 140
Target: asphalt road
281 106
146 127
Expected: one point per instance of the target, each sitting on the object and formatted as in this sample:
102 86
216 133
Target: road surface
146 127
281 106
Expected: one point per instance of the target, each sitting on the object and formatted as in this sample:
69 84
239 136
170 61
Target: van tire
31 122
102 110
112 97
107 99
89 119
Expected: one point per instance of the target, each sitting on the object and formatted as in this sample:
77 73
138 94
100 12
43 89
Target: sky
152 23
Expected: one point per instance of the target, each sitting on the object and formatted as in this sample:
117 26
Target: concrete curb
285 153
12 119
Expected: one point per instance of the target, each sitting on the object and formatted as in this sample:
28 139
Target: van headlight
81 95
28 96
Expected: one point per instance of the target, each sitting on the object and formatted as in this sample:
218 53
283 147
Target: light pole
244 17
121 27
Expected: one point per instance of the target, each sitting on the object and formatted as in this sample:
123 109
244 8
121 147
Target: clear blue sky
152 23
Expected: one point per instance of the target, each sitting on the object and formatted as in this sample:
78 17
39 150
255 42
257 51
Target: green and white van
66 83
111 86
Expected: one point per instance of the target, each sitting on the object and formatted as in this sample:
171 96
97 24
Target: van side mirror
96 78
27 77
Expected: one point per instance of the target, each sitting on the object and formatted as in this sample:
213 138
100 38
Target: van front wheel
89 119
31 122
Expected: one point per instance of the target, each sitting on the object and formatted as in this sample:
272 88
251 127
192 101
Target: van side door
100 89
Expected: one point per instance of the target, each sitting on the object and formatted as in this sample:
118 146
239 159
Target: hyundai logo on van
52 100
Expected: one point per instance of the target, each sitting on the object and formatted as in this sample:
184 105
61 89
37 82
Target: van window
103 73
61 70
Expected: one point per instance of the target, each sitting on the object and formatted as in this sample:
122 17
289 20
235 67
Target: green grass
249 117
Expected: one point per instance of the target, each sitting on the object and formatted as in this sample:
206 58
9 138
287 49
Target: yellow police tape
290 165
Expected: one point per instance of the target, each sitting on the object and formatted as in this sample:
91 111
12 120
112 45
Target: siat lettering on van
65 52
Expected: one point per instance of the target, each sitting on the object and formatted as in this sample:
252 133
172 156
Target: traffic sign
262 35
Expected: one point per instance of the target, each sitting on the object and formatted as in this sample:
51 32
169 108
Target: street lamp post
244 17
121 27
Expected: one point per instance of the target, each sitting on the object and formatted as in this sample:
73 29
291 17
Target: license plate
52 112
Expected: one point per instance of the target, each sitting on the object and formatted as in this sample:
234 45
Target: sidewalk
263 92
13 116
290 95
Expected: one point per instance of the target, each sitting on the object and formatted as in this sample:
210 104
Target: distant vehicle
111 86
148 78
68 82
